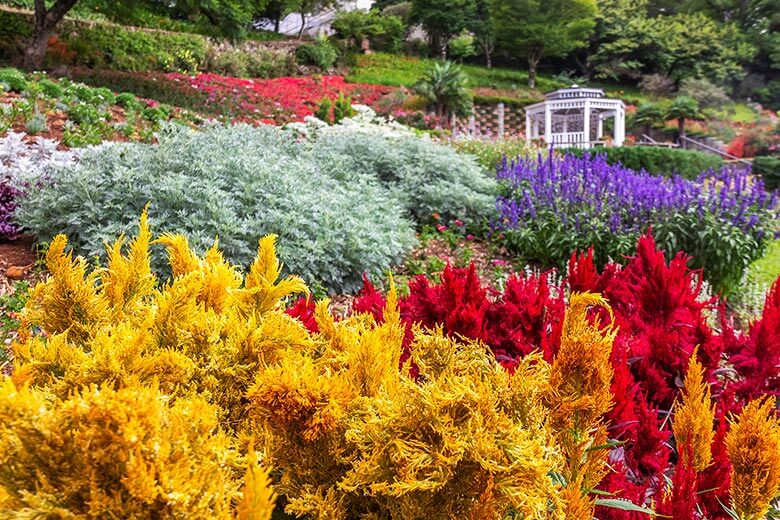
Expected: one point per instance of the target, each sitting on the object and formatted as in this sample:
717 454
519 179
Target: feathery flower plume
692 424
753 446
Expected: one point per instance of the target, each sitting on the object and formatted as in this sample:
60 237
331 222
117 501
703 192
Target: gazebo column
547 125
620 127
527 126
586 125
600 129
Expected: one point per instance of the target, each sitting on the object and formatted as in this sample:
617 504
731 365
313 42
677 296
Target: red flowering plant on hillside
280 100
661 316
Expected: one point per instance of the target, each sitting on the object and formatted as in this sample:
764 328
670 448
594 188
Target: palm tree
682 108
444 87
648 115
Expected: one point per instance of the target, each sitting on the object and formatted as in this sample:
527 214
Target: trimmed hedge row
658 161
768 167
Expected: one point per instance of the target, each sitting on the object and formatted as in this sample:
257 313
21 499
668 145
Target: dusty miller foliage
343 203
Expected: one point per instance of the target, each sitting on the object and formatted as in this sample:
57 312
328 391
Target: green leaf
626 505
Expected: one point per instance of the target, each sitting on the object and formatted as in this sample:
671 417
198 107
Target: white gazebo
575 117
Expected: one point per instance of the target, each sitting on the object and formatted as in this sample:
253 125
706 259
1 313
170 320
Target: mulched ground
17 262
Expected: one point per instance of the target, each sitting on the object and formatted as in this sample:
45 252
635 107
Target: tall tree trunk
45 23
532 63
277 22
488 60
303 25
681 127
35 52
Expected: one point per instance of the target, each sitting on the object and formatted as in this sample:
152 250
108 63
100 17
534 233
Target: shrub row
343 203
132 398
105 45
553 206
656 160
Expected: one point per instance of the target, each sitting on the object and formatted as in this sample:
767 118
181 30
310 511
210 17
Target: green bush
384 32
50 89
424 176
238 183
12 80
129 101
119 48
490 153
656 160
322 54
254 63
768 168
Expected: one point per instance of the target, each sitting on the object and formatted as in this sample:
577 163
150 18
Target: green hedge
658 161
107 46
768 167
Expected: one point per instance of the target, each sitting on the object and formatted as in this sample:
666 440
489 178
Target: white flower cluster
365 121
21 160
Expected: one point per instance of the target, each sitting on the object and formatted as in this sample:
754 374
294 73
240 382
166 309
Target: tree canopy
536 29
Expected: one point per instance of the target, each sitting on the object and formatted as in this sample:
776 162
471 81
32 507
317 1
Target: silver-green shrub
425 176
238 183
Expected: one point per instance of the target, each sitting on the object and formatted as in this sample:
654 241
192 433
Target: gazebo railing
568 138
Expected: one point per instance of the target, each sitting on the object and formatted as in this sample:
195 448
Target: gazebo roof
575 91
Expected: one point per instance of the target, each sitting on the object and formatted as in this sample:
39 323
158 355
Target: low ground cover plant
345 202
79 115
553 206
665 334
161 396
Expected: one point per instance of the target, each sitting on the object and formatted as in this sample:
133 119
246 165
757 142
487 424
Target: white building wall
317 23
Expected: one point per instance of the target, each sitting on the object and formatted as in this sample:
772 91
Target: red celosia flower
619 486
303 309
680 504
714 482
756 356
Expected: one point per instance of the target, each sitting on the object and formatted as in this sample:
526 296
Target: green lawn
396 70
404 71
738 113
766 270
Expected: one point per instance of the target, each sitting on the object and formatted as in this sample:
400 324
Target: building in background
318 22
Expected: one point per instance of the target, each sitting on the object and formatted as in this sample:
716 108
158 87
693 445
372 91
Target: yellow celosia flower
694 418
581 374
579 395
127 280
257 497
753 446
69 300
105 453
